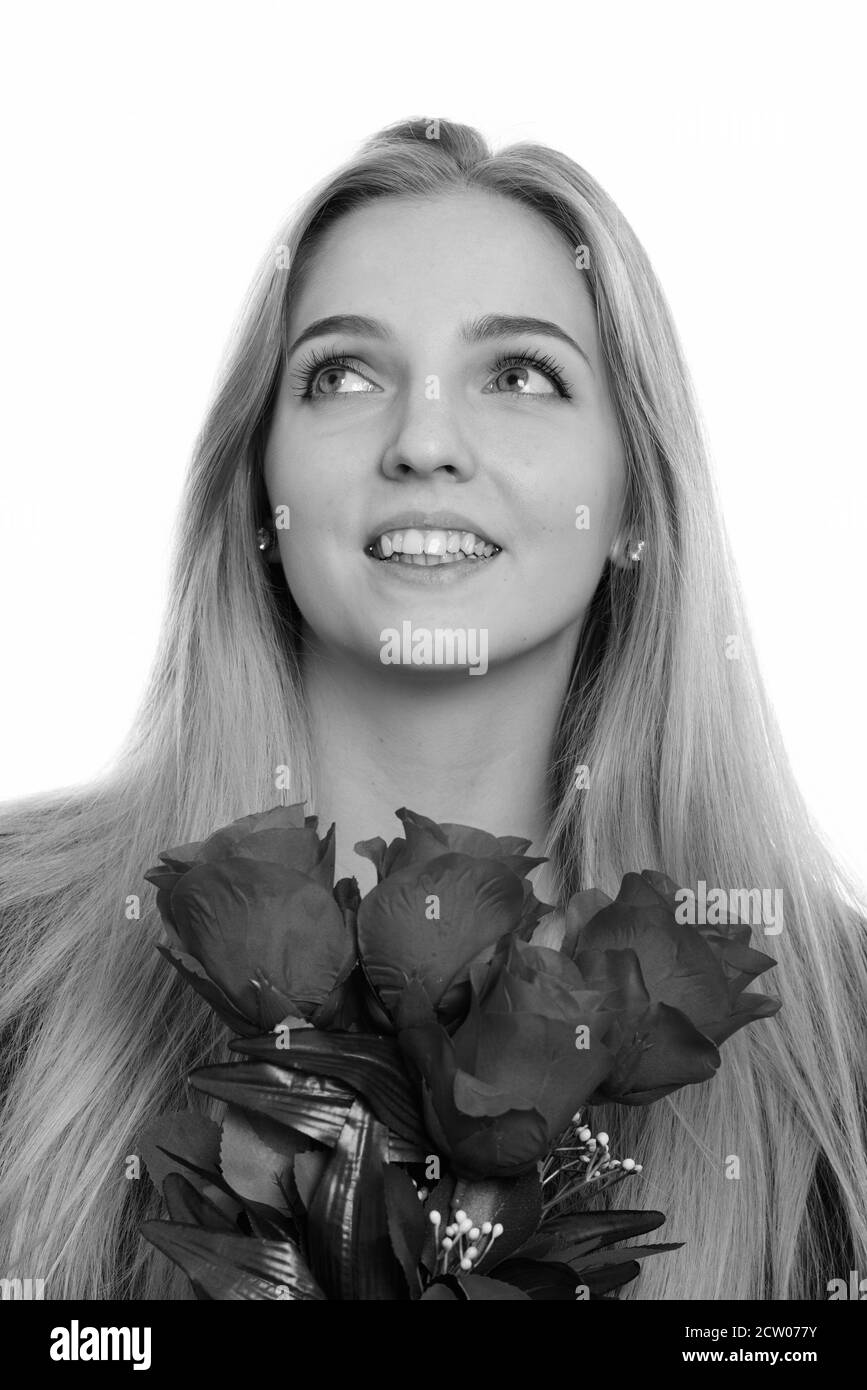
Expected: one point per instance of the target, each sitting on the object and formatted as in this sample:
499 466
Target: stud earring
265 537
624 554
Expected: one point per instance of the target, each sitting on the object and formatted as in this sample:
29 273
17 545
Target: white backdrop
151 152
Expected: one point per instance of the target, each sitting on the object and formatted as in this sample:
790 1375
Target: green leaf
308 1169
256 1154
347 1233
602 1280
516 1203
179 1131
589 1230
542 1280
211 1185
406 1222
469 1287
200 1139
212 1179
477 1287
268 1223
226 1267
441 1292
371 1066
596 1260
186 1203
313 1105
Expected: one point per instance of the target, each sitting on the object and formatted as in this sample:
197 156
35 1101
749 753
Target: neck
476 750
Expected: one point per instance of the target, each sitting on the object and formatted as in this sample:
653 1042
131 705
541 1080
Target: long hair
665 709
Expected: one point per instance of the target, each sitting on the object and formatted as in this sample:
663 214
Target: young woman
446 343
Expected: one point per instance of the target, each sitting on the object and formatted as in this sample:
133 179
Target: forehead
466 251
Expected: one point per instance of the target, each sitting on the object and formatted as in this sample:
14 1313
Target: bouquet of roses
405 1117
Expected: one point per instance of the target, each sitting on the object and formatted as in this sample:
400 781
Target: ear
619 552
627 550
272 552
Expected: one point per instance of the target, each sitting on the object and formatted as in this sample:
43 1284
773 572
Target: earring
265 537
636 552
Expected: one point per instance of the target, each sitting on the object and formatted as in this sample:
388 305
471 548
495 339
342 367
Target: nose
428 438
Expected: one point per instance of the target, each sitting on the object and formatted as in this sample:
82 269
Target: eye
528 373
326 373
335 381
524 381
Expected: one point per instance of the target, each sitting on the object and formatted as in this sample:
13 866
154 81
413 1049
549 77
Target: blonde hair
687 774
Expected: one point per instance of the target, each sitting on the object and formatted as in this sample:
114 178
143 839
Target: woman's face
438 411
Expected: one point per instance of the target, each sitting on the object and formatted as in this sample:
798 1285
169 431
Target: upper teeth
441 544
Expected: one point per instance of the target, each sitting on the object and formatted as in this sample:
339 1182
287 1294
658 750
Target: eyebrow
478 330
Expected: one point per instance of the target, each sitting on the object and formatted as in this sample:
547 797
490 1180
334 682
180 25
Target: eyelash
306 372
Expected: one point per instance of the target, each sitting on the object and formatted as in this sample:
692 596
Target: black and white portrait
432 838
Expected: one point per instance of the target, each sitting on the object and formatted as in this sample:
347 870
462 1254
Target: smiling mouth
430 547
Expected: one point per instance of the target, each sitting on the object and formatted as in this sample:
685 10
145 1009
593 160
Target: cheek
309 551
314 487
316 551
572 518
571 567
313 575
570 528
569 476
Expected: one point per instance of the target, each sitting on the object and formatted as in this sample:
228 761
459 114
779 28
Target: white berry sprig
582 1162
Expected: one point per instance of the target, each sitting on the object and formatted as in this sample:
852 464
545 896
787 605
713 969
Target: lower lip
454 572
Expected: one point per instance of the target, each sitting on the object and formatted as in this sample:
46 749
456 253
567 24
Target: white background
151 153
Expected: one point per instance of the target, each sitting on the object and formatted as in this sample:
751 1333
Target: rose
677 991
445 896
254 909
499 1091
426 839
